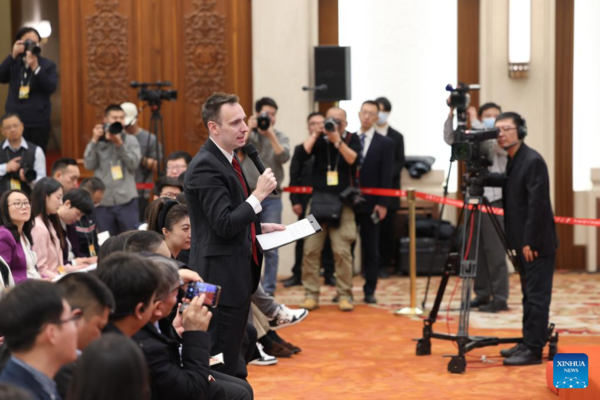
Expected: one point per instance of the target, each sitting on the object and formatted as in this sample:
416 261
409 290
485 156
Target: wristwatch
338 144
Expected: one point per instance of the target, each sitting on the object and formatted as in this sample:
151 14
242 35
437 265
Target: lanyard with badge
332 173
15 183
116 171
24 88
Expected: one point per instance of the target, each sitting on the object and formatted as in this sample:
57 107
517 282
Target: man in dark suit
530 232
388 241
225 224
31 81
377 157
39 329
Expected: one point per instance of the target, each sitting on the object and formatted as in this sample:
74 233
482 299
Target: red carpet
369 354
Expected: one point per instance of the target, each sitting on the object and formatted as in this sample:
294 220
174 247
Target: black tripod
157 127
466 266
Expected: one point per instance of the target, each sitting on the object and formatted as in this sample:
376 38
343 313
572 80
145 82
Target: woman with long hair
171 219
112 367
47 233
15 235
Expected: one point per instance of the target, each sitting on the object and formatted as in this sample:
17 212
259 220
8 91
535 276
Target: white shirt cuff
253 201
37 70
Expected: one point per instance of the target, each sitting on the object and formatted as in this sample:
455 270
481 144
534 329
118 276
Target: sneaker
345 305
287 317
264 359
309 304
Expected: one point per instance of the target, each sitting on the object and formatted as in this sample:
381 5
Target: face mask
489 123
383 116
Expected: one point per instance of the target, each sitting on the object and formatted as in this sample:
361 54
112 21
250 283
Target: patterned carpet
369 353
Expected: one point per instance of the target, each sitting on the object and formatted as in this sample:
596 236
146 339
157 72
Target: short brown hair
211 109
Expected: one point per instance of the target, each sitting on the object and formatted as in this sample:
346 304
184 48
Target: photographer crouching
31 80
114 157
335 153
22 163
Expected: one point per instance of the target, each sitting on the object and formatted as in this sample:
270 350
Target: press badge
332 178
24 92
117 172
15 184
92 250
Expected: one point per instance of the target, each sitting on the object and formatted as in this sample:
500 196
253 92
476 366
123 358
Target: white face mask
488 123
382 117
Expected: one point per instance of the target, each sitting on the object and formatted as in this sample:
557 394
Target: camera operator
114 158
301 175
150 153
31 80
491 282
274 150
377 161
336 156
22 163
530 233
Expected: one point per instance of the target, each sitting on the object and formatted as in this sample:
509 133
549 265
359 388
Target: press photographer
114 157
336 156
491 282
31 80
22 163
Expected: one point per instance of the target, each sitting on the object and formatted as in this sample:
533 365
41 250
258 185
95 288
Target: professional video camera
154 96
475 148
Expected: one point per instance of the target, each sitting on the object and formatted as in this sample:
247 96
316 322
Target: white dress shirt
39 164
252 200
368 139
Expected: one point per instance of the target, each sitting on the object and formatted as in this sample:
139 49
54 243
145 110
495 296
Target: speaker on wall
332 68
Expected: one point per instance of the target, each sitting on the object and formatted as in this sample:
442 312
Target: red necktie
238 170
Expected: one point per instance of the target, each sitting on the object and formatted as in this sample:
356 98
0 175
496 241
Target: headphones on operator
519 122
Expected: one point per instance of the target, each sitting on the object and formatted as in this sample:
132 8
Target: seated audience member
114 158
76 204
16 154
86 227
185 374
168 187
148 241
47 233
66 172
40 331
88 296
133 281
177 163
112 367
6 279
171 219
15 236
113 244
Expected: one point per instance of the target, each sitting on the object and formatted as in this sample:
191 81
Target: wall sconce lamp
519 38
43 27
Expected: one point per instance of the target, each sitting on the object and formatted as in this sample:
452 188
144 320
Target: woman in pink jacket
47 233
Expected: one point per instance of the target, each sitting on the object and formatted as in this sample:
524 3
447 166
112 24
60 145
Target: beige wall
532 97
283 36
6 42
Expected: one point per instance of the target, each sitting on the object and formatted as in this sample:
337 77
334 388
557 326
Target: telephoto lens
330 125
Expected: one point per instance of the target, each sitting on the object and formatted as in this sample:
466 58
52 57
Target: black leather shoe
494 306
524 356
330 281
511 351
293 281
370 299
479 301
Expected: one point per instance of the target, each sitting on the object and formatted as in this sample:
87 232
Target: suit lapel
212 148
518 161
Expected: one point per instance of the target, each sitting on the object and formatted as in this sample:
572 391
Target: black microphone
253 154
513 144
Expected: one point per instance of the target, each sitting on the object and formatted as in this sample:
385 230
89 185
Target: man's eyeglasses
507 128
73 318
11 127
21 204
176 167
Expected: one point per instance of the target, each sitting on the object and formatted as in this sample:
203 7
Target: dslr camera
263 121
113 129
330 125
32 46
29 172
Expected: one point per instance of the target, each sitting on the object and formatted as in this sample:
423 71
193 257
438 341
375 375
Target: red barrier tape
443 200
144 186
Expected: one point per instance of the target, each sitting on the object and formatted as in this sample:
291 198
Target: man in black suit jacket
225 223
388 242
530 232
31 81
375 172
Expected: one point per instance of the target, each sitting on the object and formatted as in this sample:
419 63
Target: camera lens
115 127
330 125
263 121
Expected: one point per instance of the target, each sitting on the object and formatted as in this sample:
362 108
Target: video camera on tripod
157 95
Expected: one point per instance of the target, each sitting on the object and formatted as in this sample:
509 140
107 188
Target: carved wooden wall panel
200 46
